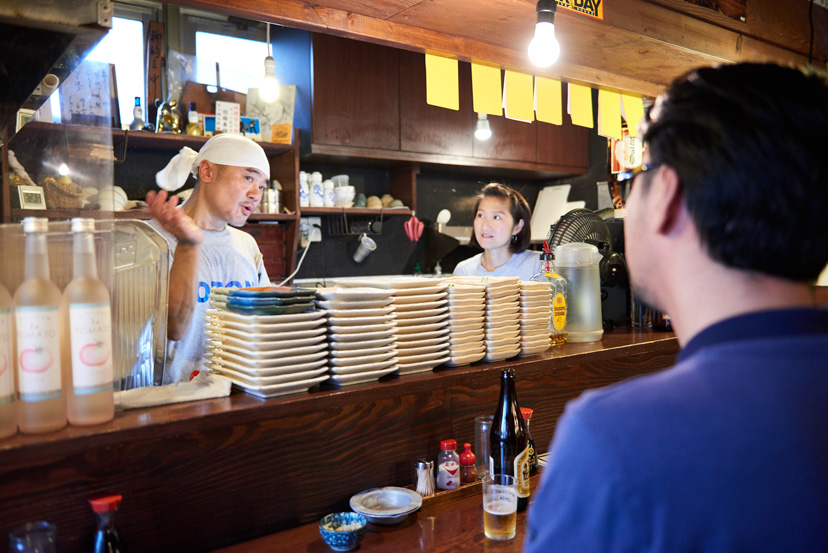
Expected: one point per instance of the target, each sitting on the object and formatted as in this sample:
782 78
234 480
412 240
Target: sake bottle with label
89 320
8 414
41 406
508 442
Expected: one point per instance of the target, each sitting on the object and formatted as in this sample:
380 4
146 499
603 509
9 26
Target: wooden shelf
19 214
386 212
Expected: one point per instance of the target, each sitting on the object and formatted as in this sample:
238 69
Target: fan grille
578 225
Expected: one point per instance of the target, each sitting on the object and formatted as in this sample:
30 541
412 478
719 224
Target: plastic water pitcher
578 264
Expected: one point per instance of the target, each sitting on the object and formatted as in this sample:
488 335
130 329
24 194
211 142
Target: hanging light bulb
63 170
544 48
482 131
269 87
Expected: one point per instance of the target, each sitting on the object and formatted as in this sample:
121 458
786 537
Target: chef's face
494 224
235 192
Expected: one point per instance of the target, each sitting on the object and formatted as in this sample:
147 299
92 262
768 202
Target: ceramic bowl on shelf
343 531
344 196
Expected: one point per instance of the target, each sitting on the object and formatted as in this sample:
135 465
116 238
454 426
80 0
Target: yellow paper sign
609 114
548 100
592 8
486 89
579 104
442 82
518 96
633 112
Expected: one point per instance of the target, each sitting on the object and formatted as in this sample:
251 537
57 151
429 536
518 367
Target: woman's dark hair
518 209
747 142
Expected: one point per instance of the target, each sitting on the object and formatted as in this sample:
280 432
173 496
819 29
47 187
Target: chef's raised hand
172 219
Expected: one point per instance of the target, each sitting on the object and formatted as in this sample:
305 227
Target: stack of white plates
361 333
467 314
267 355
421 317
535 314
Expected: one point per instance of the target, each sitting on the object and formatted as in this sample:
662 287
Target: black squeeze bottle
107 539
509 446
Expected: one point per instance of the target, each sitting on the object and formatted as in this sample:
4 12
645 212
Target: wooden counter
203 475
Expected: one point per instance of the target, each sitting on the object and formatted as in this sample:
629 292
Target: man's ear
671 214
207 171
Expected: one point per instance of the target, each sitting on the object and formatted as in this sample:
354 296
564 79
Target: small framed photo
28 197
23 117
250 128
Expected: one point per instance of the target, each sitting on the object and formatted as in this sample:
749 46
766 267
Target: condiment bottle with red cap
533 454
468 472
107 539
448 466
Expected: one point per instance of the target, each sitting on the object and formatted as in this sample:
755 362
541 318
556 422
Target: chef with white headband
231 174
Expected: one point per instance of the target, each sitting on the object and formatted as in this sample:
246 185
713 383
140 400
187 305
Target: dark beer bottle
509 446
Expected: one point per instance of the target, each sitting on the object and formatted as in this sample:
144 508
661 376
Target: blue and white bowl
343 531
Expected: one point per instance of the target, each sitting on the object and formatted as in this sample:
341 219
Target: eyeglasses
625 179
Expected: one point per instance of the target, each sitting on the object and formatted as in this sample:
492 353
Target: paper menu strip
633 112
518 96
442 82
548 100
579 105
486 89
609 114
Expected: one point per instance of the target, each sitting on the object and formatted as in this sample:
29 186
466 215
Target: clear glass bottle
533 453
39 338
138 123
508 445
557 283
8 413
107 538
193 127
89 320
448 466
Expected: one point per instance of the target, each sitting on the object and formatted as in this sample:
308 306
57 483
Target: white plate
253 348
360 329
466 327
385 503
356 312
417 329
442 339
420 291
414 314
350 362
264 341
419 299
406 307
467 342
465 350
282 389
422 366
264 328
359 321
536 294
408 338
457 286
392 283
533 285
466 302
360 352
534 350
266 319
355 304
535 343
256 373
361 345
291 361
339 293
464 317
492 356
495 345
419 350
421 321
503 297
460 360
362 337
538 305
364 367
360 378
246 380
508 319
542 320
408 359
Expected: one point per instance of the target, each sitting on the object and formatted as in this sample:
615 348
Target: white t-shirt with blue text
525 265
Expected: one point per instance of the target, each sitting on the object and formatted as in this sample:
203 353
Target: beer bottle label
522 472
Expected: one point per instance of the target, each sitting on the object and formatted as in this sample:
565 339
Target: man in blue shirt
725 232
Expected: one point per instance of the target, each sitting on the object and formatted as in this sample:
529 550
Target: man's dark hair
748 142
518 208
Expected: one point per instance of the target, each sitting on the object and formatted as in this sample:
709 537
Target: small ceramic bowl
343 531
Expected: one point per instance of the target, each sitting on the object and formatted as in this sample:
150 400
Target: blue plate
271 310
269 292
251 302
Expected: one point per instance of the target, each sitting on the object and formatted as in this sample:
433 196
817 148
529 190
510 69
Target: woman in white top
501 229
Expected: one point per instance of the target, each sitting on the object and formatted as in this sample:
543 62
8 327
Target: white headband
223 149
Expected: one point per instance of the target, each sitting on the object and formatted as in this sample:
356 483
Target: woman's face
494 224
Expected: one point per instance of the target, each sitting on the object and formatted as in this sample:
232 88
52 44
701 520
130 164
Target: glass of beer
499 506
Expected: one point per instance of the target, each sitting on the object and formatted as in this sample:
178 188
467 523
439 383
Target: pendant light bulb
482 130
269 88
63 170
544 49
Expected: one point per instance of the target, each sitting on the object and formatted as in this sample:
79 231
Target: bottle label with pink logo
91 338
6 370
448 475
38 352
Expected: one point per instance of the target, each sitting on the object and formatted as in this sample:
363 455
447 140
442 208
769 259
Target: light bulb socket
546 11
270 65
